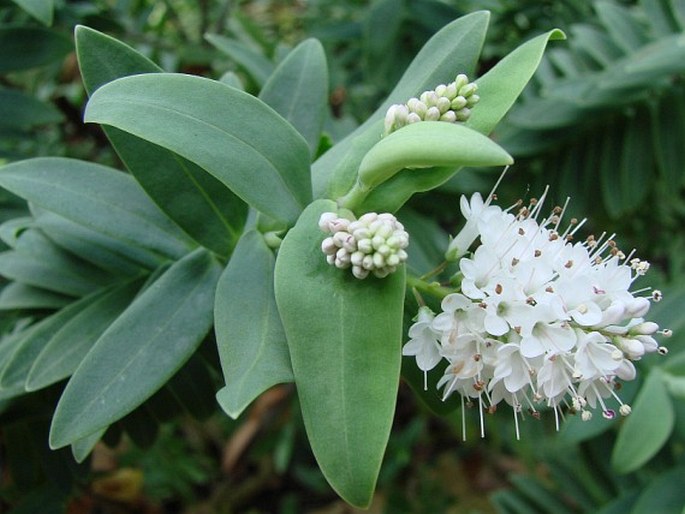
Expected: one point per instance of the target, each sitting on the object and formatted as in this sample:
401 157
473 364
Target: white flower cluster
375 243
452 102
539 319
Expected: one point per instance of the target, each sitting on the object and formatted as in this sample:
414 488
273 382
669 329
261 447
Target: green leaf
81 449
250 338
259 67
501 86
344 339
623 28
97 197
23 48
230 134
201 205
140 351
298 90
621 505
454 49
664 494
668 133
65 350
17 367
647 428
42 10
426 145
21 111
637 165
103 251
16 295
38 262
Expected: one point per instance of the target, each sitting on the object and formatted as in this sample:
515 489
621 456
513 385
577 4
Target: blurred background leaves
603 122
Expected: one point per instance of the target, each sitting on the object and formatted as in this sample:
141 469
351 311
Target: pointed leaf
628 33
38 262
230 134
344 339
16 367
250 338
65 350
81 449
501 86
103 251
640 438
255 63
140 351
454 49
298 90
201 205
98 197
16 295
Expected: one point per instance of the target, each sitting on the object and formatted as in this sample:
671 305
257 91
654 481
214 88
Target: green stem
354 197
439 269
431 288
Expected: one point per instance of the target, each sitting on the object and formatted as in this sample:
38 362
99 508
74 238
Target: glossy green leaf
201 205
21 111
232 135
16 295
23 48
140 351
42 10
454 49
98 197
344 339
16 367
65 350
647 428
501 86
250 338
665 494
38 262
298 90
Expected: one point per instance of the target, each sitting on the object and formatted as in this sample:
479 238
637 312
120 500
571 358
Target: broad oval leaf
647 428
255 63
298 90
201 205
230 134
140 351
250 338
97 197
344 339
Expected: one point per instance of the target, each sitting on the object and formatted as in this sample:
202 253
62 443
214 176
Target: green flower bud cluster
452 103
375 243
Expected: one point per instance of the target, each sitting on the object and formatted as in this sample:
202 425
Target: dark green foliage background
603 121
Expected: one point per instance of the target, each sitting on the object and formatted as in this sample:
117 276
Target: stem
354 197
439 269
431 288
